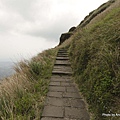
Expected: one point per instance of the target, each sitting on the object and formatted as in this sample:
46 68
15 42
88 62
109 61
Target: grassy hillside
95 56
22 95
94 50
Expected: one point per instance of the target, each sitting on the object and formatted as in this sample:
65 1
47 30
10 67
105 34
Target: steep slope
95 55
94 49
22 95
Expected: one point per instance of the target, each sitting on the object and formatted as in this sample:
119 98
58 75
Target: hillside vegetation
94 50
22 95
95 56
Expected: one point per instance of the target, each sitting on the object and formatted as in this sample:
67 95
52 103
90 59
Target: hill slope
94 49
95 55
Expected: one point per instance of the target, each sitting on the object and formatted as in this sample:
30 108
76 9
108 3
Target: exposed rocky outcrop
72 29
67 35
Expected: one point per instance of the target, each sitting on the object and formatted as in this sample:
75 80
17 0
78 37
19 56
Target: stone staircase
63 100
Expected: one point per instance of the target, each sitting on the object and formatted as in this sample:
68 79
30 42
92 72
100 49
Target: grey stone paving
62 62
63 100
62 58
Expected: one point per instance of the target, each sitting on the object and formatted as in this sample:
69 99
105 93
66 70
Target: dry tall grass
22 95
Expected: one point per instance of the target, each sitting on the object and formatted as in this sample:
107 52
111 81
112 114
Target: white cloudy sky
29 26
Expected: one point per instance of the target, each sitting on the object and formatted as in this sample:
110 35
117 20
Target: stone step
62 52
64 55
62 49
62 58
61 73
60 55
63 99
63 68
66 63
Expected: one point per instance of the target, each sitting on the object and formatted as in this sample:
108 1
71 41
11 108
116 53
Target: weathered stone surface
60 78
57 79
62 58
72 89
55 101
72 102
65 36
76 113
59 72
51 118
62 68
54 83
55 76
65 83
59 62
55 94
53 111
62 51
62 55
71 95
72 29
57 89
63 77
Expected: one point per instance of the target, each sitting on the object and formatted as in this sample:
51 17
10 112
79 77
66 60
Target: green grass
95 58
22 96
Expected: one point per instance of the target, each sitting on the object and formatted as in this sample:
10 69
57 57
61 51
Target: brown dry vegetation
22 95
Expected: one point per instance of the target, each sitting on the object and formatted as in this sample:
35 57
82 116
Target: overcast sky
29 26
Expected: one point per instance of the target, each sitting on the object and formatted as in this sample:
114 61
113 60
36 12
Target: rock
72 29
65 36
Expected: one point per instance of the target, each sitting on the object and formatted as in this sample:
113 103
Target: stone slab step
62 55
62 51
63 99
61 72
62 64
66 55
62 68
62 58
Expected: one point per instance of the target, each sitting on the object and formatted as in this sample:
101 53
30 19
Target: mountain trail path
63 100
